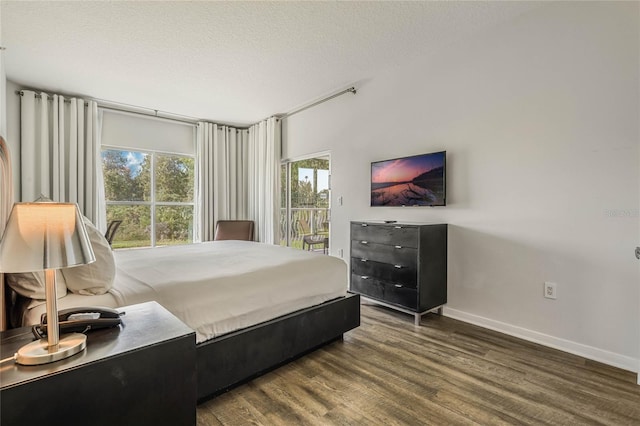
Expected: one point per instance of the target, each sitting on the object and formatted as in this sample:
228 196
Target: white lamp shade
44 235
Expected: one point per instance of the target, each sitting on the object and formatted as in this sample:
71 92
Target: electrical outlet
340 252
550 290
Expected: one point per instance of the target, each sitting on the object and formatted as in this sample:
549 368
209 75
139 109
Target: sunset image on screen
409 181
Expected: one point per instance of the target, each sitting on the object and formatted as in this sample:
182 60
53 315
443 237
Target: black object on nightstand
401 266
142 372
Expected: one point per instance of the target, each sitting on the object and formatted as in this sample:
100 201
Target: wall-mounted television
418 180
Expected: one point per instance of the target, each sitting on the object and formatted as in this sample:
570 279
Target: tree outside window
152 193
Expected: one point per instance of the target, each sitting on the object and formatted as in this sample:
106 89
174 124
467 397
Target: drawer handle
364 277
398 247
397 266
364 242
398 227
364 260
397 285
365 224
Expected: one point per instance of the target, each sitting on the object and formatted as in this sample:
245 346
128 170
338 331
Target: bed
253 306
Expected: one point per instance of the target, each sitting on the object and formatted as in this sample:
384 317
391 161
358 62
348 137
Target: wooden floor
445 372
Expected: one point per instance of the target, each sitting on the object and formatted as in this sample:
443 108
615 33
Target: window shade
130 131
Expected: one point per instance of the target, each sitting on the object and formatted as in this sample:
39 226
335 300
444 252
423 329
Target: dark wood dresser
400 265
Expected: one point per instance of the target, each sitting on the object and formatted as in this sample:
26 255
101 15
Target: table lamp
45 236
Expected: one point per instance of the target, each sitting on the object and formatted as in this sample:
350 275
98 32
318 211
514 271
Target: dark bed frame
237 357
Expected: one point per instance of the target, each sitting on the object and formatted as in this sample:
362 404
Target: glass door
305 211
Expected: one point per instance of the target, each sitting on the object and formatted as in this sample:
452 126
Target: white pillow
97 277
31 284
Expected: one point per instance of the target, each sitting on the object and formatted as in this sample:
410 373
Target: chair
111 230
309 239
234 230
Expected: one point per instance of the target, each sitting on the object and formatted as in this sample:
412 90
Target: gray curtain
60 153
238 177
222 176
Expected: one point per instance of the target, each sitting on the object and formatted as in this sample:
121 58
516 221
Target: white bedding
222 286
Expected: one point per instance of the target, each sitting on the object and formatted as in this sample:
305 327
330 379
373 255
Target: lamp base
36 353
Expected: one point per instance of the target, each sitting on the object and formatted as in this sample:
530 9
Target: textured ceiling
233 62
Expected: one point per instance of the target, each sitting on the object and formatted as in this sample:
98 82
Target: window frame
288 208
153 203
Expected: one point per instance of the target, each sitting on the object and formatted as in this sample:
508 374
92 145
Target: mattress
219 287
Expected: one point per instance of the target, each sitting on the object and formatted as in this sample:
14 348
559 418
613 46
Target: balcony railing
304 221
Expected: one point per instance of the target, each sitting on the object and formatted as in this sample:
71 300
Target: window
152 193
304 209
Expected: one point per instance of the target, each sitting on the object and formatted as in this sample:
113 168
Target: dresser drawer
390 293
395 255
406 275
395 235
367 286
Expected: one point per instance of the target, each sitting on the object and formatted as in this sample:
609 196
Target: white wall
3 97
539 118
3 90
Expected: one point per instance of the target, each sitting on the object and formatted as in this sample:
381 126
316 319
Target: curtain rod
150 115
106 104
131 109
318 102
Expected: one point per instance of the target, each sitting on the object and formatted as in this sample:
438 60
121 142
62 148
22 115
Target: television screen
418 180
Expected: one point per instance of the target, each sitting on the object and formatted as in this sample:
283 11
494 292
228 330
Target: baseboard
589 352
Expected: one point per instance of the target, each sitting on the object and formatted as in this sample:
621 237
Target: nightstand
142 372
